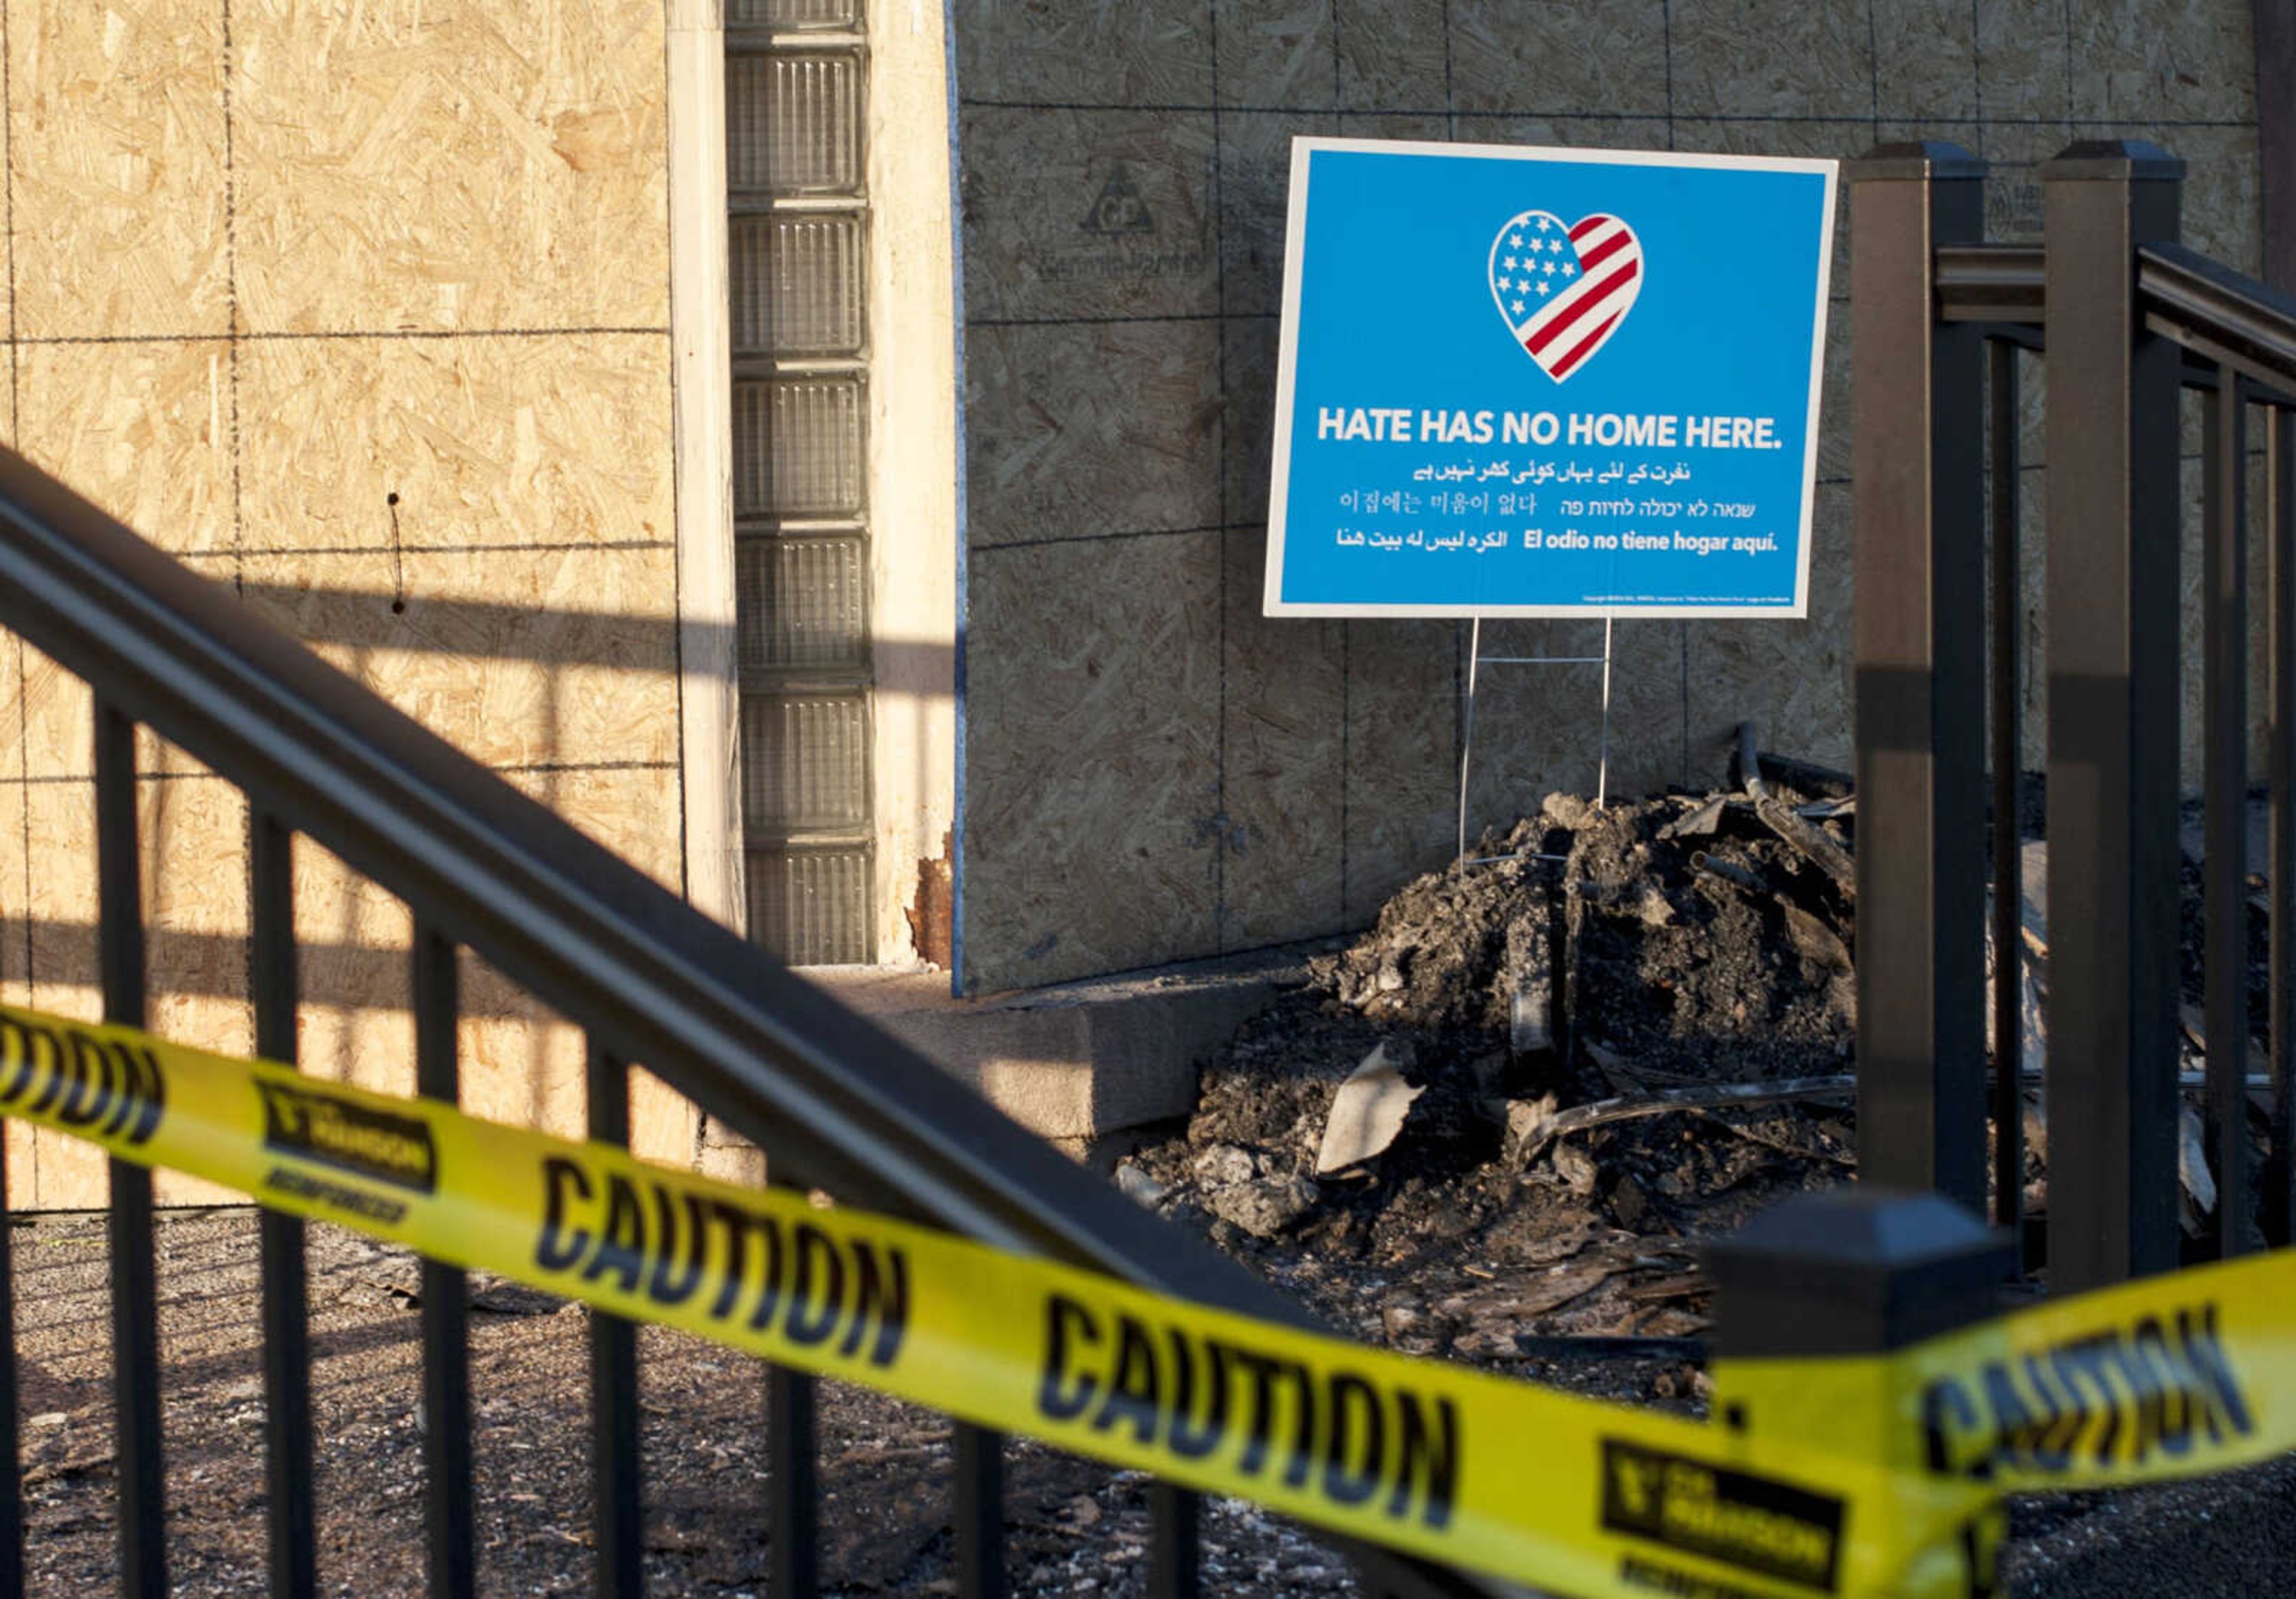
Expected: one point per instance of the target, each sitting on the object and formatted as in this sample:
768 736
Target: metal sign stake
1476 659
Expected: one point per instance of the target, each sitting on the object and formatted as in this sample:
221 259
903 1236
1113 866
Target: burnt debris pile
1501 1114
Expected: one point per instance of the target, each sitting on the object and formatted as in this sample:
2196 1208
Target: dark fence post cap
1853 1271
1916 161
2112 160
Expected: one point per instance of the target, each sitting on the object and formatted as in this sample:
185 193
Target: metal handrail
2217 313
1989 282
2214 312
835 1101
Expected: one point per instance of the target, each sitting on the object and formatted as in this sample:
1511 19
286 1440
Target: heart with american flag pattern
1564 288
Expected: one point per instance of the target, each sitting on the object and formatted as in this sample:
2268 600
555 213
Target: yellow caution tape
1523 1482
2167 1377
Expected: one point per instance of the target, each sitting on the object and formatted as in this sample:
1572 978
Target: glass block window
798 447
806 762
794 15
812 907
793 123
797 285
803 604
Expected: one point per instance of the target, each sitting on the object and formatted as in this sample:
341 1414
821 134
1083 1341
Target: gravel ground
1073 1527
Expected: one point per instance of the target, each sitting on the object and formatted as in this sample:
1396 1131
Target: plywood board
463 167
1284 803
454 164
1506 57
143 430
1093 794
2144 63
60 837
620 809
1255 177
1083 213
1727 59
1392 55
194 872
60 828
1153 53
1926 60
1792 679
116 155
49 735
522 1062
354 973
1277 52
1094 428
1402 773
561 442
1538 729
519 658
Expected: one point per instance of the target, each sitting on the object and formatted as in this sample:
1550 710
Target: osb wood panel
116 156
453 167
561 441
1154 52
1551 58
519 658
1039 242
1095 832
142 428
1283 812
1538 729
1790 678
1402 723
1093 429
392 158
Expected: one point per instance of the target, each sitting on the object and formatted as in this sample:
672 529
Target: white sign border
1287 352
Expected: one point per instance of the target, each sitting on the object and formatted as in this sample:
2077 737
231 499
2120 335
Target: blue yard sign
1547 383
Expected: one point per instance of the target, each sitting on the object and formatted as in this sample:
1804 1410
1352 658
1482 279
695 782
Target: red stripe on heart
1584 347
1588 298
1604 250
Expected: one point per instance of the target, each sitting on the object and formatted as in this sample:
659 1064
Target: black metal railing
836 1104
2128 319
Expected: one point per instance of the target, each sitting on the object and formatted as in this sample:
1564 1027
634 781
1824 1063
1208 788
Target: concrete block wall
1154 770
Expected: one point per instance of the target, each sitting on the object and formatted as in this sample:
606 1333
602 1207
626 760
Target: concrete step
1077 1063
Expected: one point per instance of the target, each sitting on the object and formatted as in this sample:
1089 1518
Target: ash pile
1504 1115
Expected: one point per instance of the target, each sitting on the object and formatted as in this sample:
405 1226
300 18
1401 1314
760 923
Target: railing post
288 1470
2115 663
1917 458
448 1515
135 1268
617 1460
2280 545
1847 1272
2224 728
